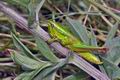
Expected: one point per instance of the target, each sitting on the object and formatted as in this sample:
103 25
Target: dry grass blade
116 17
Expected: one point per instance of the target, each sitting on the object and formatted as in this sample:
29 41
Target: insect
67 39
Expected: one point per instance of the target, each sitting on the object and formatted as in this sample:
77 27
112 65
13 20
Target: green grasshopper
66 38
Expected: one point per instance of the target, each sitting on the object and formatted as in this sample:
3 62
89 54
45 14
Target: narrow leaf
112 32
34 7
93 41
50 76
27 62
46 72
114 50
24 50
78 76
111 69
79 30
30 75
45 50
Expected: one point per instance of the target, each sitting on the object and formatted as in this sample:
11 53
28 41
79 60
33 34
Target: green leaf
48 71
93 41
79 30
114 49
78 76
116 75
111 69
113 55
112 32
50 76
24 50
23 3
113 42
29 75
112 59
45 50
24 76
27 62
33 7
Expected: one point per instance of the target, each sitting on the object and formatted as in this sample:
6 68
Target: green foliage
78 76
41 70
23 4
27 62
22 47
34 7
50 70
111 60
45 50
93 40
79 30
113 55
111 69
112 32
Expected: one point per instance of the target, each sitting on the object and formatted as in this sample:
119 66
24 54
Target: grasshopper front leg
53 40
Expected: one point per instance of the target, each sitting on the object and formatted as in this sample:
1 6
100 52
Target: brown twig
23 40
86 17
